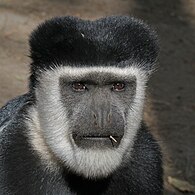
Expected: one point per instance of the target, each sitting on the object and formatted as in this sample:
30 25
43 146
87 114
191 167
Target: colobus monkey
79 129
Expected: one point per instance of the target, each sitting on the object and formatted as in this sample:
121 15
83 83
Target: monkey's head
88 79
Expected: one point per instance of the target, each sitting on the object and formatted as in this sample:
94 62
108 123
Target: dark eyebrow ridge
96 79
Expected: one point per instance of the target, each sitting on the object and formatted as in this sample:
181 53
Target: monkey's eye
77 86
118 86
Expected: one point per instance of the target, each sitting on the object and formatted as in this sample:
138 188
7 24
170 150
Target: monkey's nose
102 118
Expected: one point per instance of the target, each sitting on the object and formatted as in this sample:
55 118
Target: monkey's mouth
97 141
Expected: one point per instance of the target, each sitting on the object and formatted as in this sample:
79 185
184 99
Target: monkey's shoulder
21 169
142 172
11 109
146 162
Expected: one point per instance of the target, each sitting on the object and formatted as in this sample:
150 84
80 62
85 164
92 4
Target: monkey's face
89 117
97 105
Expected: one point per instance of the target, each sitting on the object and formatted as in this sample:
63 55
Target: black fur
21 171
109 41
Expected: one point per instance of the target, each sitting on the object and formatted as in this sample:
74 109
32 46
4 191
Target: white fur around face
49 126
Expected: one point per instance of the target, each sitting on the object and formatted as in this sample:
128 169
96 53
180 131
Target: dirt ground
170 110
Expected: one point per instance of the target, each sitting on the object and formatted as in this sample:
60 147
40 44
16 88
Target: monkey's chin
94 164
95 156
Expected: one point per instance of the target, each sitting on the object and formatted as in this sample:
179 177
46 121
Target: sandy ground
170 110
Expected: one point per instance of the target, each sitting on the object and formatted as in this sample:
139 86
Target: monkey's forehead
75 42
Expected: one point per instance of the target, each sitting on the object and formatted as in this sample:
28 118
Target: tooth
113 138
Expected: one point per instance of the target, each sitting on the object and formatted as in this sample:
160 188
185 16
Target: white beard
49 126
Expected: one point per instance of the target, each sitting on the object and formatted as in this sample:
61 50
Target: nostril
95 123
95 120
94 115
109 118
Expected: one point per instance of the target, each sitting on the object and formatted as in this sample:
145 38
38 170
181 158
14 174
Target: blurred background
170 106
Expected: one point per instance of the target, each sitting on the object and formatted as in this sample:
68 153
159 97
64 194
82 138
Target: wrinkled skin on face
97 107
